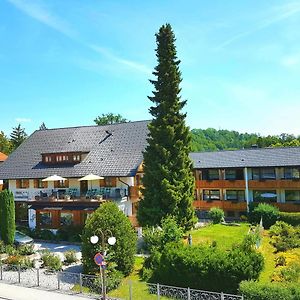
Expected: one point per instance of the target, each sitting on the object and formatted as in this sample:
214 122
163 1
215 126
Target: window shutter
26 183
56 183
18 183
35 183
67 183
45 184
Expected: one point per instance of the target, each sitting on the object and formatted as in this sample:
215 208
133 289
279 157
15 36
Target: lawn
225 236
139 288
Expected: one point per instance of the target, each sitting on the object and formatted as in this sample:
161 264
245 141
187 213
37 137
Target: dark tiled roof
265 157
118 154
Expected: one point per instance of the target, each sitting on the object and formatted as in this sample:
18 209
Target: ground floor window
66 218
235 195
211 194
21 212
45 218
265 196
292 196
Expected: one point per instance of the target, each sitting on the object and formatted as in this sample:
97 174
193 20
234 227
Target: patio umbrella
54 178
268 195
91 177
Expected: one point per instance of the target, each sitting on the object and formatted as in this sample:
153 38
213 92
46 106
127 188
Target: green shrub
2 247
267 212
108 218
11 250
216 214
70 257
200 267
157 238
290 218
51 262
43 234
70 233
269 291
284 236
26 249
13 262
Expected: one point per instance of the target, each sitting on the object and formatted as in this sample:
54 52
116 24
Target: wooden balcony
287 207
274 184
220 184
225 205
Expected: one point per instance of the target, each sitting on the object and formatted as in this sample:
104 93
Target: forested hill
211 140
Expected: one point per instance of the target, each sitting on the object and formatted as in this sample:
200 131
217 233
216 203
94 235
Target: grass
225 236
267 251
139 288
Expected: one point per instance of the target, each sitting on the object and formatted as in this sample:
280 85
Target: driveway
59 250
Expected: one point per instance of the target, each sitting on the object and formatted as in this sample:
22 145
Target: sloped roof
113 150
261 157
3 157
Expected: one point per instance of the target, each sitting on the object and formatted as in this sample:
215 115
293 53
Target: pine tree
168 179
43 127
110 118
7 217
17 136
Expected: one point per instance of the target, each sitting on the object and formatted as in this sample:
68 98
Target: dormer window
62 158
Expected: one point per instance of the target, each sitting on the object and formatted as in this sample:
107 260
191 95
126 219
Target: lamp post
111 241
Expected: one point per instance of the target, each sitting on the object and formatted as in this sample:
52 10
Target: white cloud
41 14
37 12
128 63
279 14
23 120
291 61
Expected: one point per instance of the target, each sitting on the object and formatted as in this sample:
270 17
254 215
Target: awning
74 207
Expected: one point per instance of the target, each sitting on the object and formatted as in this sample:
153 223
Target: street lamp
111 241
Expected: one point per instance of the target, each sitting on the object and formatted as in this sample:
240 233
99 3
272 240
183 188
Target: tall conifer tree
168 179
7 217
18 136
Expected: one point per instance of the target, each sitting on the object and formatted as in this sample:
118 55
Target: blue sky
65 62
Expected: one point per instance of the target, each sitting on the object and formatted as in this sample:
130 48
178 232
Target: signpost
99 261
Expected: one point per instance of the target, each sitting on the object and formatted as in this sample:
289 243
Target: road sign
99 259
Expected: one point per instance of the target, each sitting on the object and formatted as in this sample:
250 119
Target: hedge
269 291
290 218
207 268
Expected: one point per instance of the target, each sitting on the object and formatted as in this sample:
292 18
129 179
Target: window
45 218
235 195
234 174
291 173
66 218
292 196
39 183
211 194
263 173
267 196
22 183
46 158
210 174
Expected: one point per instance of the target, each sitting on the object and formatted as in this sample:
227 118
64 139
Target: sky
66 62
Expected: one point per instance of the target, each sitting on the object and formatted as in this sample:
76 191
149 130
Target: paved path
15 292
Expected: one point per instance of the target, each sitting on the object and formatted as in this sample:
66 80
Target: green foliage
108 217
168 179
284 236
43 127
109 118
15 261
269 291
43 234
7 217
5 144
290 218
70 233
11 250
267 212
26 249
207 268
51 261
18 136
2 247
211 139
70 257
216 214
